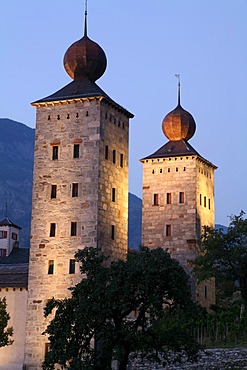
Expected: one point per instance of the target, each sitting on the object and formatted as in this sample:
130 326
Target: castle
80 197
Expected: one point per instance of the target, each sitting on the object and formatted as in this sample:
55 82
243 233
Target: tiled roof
6 222
82 88
175 149
14 269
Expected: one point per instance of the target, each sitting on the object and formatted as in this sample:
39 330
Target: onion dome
85 58
178 124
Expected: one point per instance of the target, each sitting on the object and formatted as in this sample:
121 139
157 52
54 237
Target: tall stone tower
178 196
80 185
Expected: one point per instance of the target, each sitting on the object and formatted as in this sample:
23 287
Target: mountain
16 168
135 221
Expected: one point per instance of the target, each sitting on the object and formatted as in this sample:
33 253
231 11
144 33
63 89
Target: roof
14 269
6 222
174 149
82 88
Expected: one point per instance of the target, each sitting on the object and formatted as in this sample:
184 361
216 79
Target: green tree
121 305
224 256
5 332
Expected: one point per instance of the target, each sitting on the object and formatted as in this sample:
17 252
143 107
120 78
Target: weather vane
85 24
178 77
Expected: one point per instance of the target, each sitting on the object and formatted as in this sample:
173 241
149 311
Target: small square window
168 198
72 266
73 228
113 194
76 153
106 152
181 197
50 267
156 200
112 232
52 229
75 187
114 156
53 191
54 152
3 234
168 230
121 160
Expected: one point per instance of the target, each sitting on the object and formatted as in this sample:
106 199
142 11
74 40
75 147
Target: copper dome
178 124
85 58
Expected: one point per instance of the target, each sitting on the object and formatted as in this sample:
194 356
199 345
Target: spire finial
178 77
85 21
6 209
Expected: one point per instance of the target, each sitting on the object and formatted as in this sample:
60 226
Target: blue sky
146 43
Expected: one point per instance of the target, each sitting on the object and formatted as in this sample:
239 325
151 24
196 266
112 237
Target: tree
121 305
5 332
224 256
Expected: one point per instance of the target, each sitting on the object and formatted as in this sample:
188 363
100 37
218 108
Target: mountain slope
16 166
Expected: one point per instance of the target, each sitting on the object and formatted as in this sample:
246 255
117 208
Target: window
168 198
156 199
52 229
114 156
73 228
3 234
112 232
75 189
106 152
47 348
181 197
200 199
168 170
2 252
72 266
209 204
205 202
54 152
113 194
121 160
168 230
14 236
53 191
205 291
76 151
50 267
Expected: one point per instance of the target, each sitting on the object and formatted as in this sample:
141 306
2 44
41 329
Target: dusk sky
146 43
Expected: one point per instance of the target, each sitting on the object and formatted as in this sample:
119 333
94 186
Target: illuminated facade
178 197
80 185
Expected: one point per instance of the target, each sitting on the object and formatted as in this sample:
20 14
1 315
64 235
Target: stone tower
80 185
178 196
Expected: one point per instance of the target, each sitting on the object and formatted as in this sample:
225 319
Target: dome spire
178 77
85 58
178 124
85 20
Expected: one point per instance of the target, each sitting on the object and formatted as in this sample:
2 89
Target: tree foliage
224 256
5 332
122 306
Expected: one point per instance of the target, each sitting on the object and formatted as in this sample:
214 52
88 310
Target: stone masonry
100 129
178 199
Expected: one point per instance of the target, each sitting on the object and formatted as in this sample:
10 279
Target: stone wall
13 355
91 124
178 199
211 359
